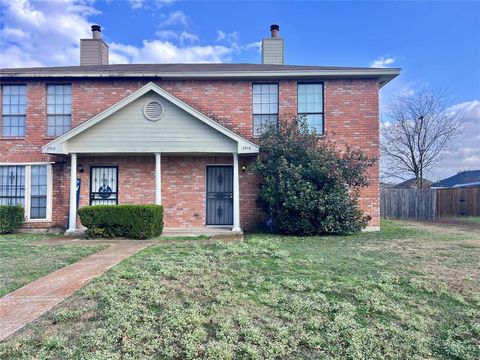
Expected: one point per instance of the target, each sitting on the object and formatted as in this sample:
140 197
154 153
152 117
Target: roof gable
219 137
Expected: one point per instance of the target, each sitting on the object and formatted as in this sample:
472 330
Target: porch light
244 167
80 168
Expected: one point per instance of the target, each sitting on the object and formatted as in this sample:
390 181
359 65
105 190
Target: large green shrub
131 221
11 218
309 186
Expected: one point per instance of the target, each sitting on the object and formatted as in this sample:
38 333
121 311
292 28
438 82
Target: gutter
384 75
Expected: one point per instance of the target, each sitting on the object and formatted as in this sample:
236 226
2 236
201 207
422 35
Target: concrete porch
208 231
198 231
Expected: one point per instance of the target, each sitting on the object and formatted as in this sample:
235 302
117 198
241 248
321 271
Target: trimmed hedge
11 218
131 221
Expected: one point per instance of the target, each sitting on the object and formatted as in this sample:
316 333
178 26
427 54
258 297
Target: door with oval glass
219 195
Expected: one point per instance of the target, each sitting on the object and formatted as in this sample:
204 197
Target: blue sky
435 43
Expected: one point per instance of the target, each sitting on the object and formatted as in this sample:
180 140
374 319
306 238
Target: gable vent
153 110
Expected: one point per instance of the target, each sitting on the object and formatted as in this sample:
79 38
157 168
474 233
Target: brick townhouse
180 135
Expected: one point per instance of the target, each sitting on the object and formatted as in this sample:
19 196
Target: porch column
236 195
158 178
72 219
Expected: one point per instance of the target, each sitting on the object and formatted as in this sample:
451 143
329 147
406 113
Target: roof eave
384 75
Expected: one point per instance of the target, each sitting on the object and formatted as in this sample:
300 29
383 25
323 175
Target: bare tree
418 131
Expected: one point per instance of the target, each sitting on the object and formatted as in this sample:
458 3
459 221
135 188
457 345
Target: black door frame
206 194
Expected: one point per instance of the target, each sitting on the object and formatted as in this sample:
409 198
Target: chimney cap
96 28
274 27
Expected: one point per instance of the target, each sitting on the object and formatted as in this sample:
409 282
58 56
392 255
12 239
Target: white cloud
166 34
157 51
136 4
186 36
220 35
227 37
175 18
233 41
465 154
139 4
382 62
257 45
39 33
42 33
182 37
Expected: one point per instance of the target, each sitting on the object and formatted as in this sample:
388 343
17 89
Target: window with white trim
310 105
59 109
14 110
12 185
29 186
38 193
265 106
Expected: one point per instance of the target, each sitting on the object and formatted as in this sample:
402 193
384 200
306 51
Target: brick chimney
273 48
94 51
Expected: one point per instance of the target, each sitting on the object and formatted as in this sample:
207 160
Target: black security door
219 195
104 185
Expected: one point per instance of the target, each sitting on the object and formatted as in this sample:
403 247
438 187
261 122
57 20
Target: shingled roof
226 70
464 177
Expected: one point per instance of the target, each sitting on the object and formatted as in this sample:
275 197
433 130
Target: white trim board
60 144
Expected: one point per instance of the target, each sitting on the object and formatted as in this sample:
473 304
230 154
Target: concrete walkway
31 301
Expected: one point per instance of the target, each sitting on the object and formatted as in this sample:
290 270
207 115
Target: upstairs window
14 110
265 106
59 109
310 105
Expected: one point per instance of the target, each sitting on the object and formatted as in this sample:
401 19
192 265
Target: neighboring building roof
464 177
471 184
384 185
223 70
412 184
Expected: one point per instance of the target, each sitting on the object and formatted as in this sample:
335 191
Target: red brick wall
351 117
183 186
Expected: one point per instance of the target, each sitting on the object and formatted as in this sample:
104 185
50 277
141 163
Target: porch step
199 231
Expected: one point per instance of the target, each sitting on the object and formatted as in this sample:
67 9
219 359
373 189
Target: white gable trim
57 146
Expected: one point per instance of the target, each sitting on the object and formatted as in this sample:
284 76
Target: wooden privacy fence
407 204
429 204
458 202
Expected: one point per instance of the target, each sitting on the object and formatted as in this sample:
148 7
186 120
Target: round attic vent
153 110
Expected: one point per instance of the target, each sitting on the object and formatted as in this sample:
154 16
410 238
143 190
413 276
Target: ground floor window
38 197
103 185
12 185
29 186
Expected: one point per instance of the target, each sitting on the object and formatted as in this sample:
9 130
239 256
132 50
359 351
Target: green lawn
409 291
468 219
23 259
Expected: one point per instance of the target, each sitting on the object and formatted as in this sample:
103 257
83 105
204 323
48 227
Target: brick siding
351 118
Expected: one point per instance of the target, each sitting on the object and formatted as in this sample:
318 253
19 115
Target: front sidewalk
26 304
